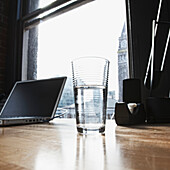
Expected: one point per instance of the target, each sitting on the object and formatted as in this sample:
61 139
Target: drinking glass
90 83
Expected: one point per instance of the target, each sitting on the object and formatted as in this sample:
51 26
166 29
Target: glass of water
90 83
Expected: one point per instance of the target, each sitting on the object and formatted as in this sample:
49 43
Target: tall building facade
123 71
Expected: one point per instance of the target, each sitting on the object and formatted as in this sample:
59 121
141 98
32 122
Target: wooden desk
57 146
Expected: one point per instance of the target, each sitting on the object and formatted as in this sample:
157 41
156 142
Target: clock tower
123 71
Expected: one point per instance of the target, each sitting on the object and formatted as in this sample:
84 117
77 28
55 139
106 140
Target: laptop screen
34 98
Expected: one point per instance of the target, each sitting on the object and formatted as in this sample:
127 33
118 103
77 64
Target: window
51 41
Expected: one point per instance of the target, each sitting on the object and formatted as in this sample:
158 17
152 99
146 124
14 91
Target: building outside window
123 67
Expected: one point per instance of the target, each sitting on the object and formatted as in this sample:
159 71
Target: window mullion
60 10
42 10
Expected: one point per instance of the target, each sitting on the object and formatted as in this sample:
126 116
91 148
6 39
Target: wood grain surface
58 146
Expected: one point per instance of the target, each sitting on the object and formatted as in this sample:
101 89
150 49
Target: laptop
32 101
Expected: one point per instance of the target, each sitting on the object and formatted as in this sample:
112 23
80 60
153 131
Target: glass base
90 130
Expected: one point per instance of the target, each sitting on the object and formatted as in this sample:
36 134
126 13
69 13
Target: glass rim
90 57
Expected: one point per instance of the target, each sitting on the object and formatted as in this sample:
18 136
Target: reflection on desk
57 145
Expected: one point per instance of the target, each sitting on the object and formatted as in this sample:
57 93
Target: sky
90 30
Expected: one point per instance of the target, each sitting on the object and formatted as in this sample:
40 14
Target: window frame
26 20
22 22
140 15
